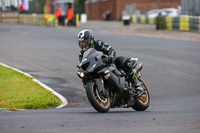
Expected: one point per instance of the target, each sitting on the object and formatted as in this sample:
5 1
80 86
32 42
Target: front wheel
142 102
100 103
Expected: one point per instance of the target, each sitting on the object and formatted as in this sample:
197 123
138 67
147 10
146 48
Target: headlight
81 74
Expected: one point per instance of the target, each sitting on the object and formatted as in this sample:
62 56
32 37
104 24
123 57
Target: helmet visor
83 43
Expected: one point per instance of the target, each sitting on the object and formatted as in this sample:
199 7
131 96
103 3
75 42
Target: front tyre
142 102
100 103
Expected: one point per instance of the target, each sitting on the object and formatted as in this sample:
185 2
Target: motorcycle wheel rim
144 98
99 99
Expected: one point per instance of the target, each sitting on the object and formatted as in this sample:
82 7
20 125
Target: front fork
100 84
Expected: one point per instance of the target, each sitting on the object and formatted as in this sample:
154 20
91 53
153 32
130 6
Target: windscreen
90 52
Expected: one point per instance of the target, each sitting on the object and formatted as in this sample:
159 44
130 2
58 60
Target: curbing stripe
64 101
16 70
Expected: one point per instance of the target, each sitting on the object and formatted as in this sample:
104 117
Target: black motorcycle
108 87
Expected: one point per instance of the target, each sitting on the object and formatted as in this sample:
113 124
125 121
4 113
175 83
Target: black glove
109 59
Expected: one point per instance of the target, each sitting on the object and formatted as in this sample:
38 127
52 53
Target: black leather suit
109 52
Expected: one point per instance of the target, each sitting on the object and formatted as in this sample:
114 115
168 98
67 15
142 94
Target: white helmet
85 39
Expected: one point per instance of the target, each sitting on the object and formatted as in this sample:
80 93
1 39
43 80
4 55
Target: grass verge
18 91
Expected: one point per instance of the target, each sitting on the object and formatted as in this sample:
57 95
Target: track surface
171 73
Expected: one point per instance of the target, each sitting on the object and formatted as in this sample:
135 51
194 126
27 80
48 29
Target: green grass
18 91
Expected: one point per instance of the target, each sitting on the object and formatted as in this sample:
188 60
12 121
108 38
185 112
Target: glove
109 59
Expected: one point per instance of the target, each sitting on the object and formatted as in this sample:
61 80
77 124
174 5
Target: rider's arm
108 51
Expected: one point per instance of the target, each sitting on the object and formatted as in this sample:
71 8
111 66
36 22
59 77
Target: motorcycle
98 76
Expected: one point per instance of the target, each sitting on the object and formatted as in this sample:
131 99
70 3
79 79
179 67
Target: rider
86 40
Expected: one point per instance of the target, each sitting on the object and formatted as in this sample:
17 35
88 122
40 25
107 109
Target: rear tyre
142 102
99 103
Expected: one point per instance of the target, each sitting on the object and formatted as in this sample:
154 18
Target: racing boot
136 83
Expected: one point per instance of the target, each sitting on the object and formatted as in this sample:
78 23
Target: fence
43 20
50 21
8 17
38 20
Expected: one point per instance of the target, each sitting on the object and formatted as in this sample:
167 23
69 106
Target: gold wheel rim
104 105
144 98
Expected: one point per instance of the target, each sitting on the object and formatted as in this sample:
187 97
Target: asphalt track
171 73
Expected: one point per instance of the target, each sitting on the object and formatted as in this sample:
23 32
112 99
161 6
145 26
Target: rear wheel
99 102
142 102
